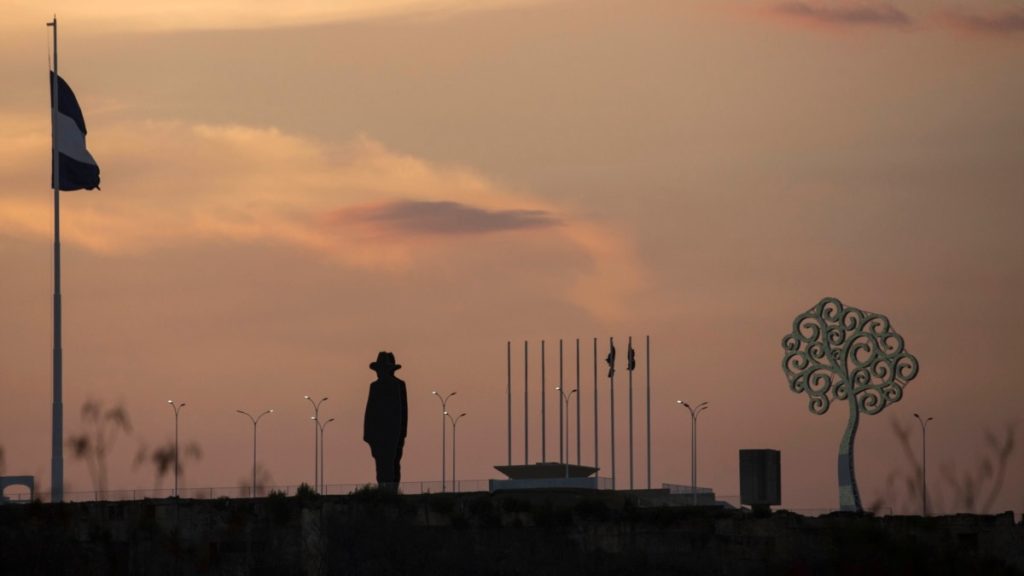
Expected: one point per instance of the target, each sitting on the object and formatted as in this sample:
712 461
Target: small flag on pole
631 358
611 361
77 167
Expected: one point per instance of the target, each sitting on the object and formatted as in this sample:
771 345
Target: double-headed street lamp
924 461
694 412
444 428
454 421
255 421
316 438
565 401
321 427
177 469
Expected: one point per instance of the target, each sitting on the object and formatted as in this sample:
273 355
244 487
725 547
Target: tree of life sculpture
837 352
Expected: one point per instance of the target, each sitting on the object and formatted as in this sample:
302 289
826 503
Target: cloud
442 218
846 15
359 204
240 14
1002 23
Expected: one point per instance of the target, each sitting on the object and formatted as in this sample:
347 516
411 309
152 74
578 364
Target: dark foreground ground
376 533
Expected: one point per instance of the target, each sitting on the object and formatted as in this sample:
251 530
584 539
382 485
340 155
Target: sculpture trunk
849 497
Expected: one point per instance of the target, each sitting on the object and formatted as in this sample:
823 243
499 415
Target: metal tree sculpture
836 352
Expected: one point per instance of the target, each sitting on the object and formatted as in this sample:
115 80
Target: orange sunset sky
290 187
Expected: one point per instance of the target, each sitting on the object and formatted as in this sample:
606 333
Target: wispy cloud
244 14
999 23
846 14
361 205
442 218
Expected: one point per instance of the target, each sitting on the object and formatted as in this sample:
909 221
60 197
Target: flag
77 167
631 358
611 361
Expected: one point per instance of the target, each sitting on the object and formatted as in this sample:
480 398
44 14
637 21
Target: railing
683 489
409 488
207 493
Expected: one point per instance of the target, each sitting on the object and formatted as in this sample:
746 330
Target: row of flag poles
610 360
73 168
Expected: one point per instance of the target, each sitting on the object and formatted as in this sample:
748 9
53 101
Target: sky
290 187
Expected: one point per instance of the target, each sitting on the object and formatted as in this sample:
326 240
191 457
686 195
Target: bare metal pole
526 402
562 456
543 405
647 373
597 453
578 462
57 444
508 393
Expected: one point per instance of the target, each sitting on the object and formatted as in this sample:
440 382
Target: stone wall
372 532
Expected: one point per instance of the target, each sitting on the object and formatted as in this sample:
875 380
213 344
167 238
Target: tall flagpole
597 454
578 394
647 373
526 402
57 447
508 392
629 368
611 390
543 407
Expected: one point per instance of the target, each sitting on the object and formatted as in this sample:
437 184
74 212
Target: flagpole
629 368
597 454
57 447
611 390
647 373
578 394
508 392
543 407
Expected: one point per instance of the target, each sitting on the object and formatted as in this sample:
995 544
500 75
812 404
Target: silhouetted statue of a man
386 420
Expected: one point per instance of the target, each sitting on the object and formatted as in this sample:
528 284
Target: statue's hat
384 360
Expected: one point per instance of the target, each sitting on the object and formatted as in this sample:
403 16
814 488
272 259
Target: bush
305 492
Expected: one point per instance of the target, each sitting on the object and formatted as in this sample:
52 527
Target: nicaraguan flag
78 169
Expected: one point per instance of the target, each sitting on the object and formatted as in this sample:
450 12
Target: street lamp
316 438
565 401
454 421
444 429
694 412
255 421
176 407
924 462
321 427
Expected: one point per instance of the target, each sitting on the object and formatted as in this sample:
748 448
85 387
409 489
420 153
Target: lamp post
694 412
255 421
177 408
444 430
565 400
924 461
321 427
316 439
454 421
